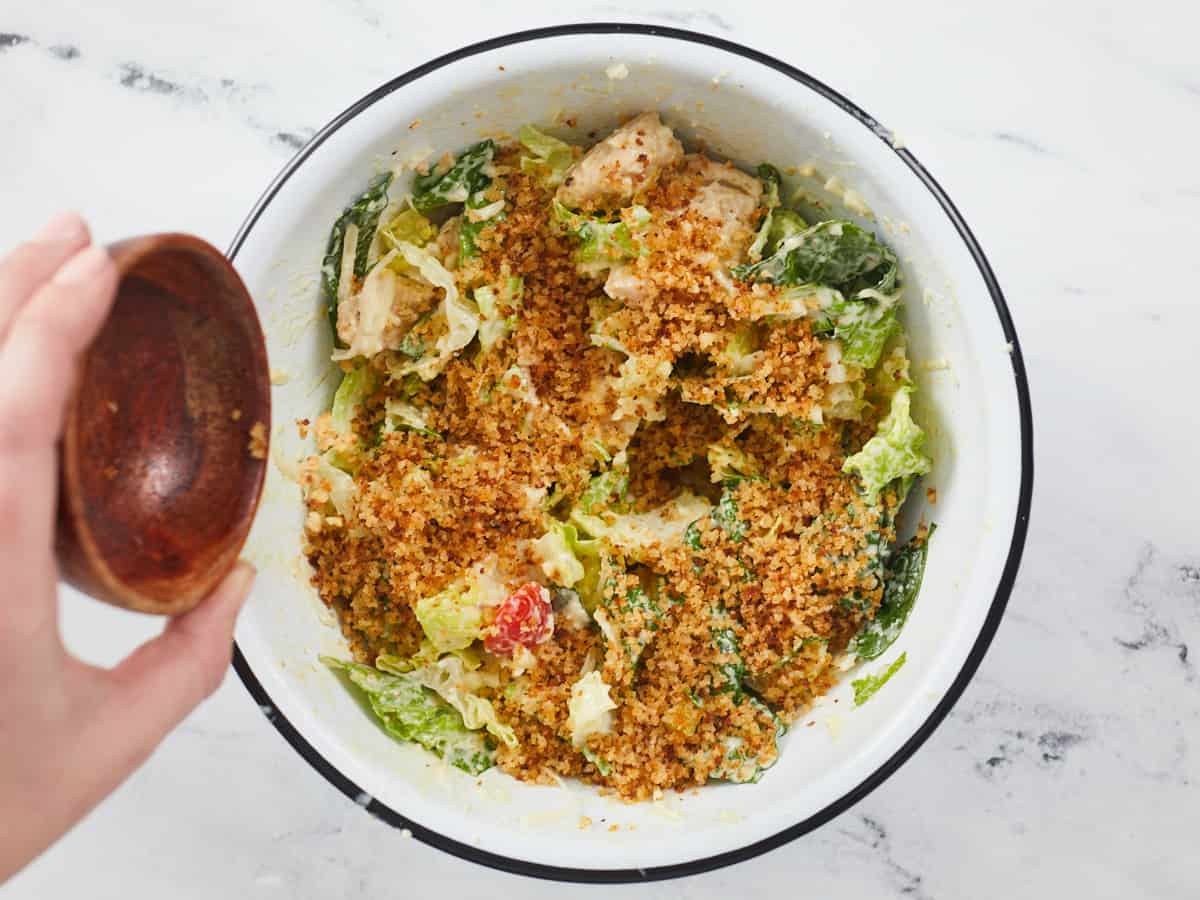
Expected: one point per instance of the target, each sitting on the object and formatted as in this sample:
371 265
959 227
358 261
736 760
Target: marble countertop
1067 133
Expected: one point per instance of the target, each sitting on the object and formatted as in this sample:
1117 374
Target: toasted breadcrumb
257 446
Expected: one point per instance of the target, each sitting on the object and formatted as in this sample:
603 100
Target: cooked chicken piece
379 316
445 245
730 197
725 195
625 284
626 162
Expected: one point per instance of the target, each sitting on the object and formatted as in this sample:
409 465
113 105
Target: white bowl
973 401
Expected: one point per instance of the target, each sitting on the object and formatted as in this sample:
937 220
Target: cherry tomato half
525 618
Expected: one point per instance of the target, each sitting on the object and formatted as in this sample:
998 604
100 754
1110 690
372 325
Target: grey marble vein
871 832
136 78
1020 140
1149 595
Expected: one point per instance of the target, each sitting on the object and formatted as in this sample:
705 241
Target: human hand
70 732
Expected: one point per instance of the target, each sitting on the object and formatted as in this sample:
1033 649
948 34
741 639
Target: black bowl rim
991 623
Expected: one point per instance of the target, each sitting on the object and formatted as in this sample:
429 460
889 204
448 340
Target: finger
28 613
31 264
37 370
166 678
38 359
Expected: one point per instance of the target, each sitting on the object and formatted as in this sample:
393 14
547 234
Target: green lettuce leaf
630 620
896 450
364 214
498 314
725 514
467 176
731 671
834 253
902 583
863 325
550 157
461 317
409 711
599 762
589 708
355 387
490 212
772 182
408 227
456 678
729 464
865 687
343 490
603 243
560 553
452 619
399 415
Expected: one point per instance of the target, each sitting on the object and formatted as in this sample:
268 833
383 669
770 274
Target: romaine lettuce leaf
865 687
772 182
902 583
356 385
736 763
589 709
480 213
603 243
364 215
725 515
408 227
409 711
834 253
462 320
730 673
607 490
550 157
452 618
797 302
498 314
777 226
863 325
633 533
555 552
468 175
601 765
343 491
457 679
896 450
400 415
729 463
740 355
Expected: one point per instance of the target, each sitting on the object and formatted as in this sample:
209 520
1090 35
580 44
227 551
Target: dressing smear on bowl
609 486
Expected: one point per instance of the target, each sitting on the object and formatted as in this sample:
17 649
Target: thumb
166 678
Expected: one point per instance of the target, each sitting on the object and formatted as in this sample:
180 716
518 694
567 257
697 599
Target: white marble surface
1068 138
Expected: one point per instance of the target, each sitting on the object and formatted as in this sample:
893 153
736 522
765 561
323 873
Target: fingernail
83 267
66 226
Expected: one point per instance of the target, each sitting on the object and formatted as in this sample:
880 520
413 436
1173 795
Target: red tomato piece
525 618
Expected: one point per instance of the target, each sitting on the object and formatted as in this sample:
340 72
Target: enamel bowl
580 81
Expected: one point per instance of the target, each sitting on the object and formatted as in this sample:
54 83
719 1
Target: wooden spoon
164 446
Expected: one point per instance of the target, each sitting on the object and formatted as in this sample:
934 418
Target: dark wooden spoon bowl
164 446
